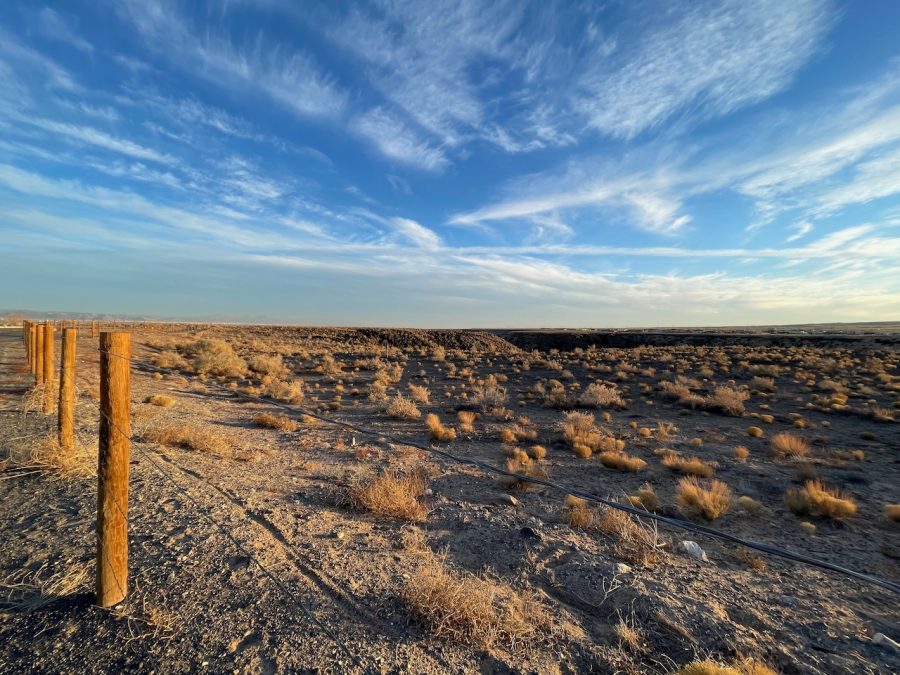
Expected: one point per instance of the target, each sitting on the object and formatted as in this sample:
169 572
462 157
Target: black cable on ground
768 549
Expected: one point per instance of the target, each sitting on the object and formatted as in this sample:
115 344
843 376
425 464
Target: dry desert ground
266 539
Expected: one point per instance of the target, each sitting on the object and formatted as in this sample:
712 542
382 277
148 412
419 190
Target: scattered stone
505 500
884 641
622 568
339 534
692 548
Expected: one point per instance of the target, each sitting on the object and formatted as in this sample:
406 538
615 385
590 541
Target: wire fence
677 523
122 510
228 534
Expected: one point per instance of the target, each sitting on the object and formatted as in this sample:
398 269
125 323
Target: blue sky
453 164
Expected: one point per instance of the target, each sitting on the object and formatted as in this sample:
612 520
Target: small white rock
692 548
505 500
622 568
884 640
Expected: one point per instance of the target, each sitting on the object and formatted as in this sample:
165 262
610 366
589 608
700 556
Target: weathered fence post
65 422
49 364
39 354
112 469
32 345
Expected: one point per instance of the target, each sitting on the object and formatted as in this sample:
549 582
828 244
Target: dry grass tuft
788 445
754 432
760 383
599 395
664 431
521 463
693 466
621 462
402 408
741 453
466 421
817 499
78 461
489 394
630 637
727 400
28 590
170 360
160 400
579 515
707 668
389 493
585 437
537 452
273 366
740 667
190 438
708 501
437 430
474 610
419 395
216 357
635 542
290 391
892 511
645 498
280 422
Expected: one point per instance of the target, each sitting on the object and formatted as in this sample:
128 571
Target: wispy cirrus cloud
23 59
52 24
566 77
416 233
288 76
824 164
397 141
707 61
800 230
100 139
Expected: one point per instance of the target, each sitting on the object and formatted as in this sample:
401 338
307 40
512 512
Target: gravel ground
199 600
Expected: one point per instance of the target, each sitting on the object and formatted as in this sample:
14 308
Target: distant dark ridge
566 340
401 338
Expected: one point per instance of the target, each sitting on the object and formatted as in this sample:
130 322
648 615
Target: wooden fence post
65 420
39 354
112 470
32 344
49 366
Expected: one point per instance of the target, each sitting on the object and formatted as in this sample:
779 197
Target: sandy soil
199 603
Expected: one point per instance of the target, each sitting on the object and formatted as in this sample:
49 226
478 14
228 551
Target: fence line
678 523
114 410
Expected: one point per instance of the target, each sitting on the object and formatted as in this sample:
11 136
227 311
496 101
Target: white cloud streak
289 77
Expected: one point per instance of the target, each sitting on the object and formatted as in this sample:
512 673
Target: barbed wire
678 523
230 536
